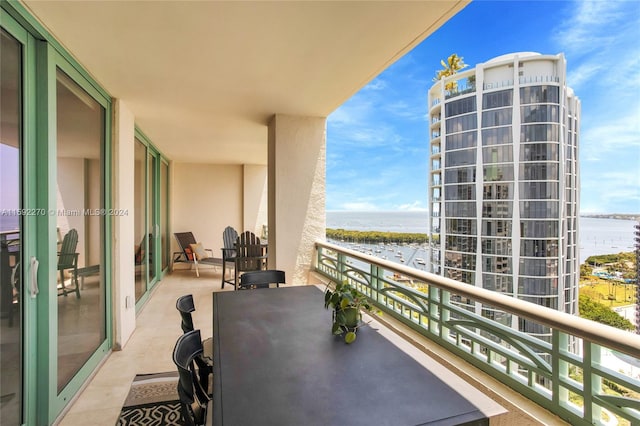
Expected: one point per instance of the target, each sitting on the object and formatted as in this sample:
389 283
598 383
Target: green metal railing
581 385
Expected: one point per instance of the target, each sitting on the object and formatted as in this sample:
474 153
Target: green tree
454 64
598 312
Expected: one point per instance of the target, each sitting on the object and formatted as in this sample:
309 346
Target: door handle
33 277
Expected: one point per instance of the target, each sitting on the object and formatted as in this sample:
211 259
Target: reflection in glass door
140 218
164 214
11 325
151 218
80 220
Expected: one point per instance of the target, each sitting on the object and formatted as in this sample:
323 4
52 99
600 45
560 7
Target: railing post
559 368
592 384
342 265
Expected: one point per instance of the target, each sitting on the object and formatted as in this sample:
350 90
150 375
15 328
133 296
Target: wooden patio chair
68 260
250 255
192 252
262 279
229 237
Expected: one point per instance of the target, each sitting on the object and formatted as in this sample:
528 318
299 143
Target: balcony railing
581 386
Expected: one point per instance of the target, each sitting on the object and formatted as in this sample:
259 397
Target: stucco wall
255 199
297 157
123 242
205 199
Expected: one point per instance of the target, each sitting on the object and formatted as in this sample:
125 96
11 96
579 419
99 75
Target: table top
277 363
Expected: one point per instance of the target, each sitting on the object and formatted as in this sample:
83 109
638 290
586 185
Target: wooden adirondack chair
229 237
68 260
250 255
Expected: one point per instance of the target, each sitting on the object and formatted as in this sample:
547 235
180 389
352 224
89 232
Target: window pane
140 218
10 230
81 311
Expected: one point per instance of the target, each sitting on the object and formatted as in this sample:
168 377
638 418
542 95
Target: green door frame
43 55
28 202
164 210
155 247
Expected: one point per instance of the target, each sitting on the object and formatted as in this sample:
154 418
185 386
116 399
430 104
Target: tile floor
148 350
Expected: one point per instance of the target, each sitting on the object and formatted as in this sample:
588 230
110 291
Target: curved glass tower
504 182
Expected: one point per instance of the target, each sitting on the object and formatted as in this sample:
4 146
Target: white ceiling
203 78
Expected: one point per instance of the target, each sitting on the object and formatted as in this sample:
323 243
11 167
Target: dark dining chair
194 400
249 255
185 306
262 279
68 260
229 237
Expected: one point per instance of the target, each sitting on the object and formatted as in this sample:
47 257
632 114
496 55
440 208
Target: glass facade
522 207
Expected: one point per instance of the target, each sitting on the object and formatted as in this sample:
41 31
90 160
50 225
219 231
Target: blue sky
378 143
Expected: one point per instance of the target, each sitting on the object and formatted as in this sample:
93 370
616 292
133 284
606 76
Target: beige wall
123 242
297 157
205 199
255 199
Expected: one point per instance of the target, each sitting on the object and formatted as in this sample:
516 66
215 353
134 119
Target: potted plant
346 303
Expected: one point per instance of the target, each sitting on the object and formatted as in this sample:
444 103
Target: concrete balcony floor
158 327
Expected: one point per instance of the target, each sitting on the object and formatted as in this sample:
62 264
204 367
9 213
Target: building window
460 175
497 117
539 94
460 158
460 106
461 141
497 99
497 136
539 132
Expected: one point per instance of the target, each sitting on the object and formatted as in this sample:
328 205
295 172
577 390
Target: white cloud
377 84
590 27
359 206
416 206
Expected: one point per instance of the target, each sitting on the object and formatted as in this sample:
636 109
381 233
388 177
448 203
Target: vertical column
296 181
123 242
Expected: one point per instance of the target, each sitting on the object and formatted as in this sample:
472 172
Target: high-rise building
504 182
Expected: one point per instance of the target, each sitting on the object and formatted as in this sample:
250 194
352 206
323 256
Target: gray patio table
277 363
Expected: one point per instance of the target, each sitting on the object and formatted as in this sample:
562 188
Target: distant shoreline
619 216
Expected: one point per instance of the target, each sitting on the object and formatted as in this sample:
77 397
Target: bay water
597 235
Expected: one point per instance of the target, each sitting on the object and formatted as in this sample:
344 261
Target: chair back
229 237
193 397
262 279
185 306
249 255
67 255
185 239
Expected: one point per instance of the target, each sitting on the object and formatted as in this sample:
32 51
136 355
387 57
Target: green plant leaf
336 329
350 337
344 303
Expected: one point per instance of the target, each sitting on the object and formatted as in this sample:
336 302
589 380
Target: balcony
573 384
534 380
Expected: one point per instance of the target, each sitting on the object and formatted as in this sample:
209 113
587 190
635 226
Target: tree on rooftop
454 64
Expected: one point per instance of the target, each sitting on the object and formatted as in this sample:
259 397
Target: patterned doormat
152 401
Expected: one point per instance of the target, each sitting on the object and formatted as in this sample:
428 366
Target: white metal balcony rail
582 388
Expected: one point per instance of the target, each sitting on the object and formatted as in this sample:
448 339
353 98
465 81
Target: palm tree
453 65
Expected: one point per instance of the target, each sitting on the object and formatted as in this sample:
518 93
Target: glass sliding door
140 218
152 222
80 216
150 219
164 214
11 230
